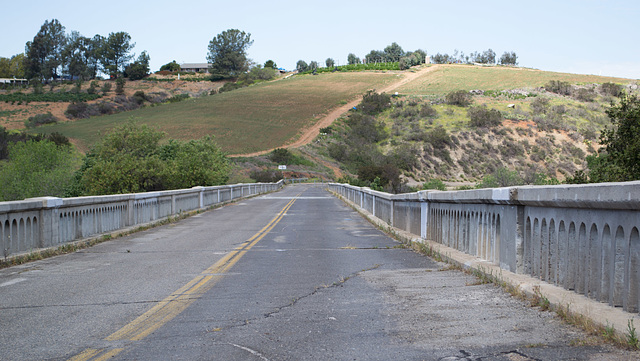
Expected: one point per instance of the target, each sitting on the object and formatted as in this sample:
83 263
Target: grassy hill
446 78
255 118
541 131
541 134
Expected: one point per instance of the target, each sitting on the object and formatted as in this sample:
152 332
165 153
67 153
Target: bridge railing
584 238
48 221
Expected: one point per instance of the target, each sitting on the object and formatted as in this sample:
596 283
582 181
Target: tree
130 159
486 57
329 63
302 66
5 67
374 56
421 55
228 53
94 54
393 52
509 58
313 65
270 64
116 52
77 56
172 66
619 158
139 68
352 59
442 59
45 53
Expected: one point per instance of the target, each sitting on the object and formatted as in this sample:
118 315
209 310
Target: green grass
251 119
447 78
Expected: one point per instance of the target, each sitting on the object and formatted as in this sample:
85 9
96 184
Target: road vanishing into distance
292 275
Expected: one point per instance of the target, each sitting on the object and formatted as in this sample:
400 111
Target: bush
77 110
611 89
35 169
366 128
139 97
501 177
130 159
483 117
230 86
539 105
178 98
93 87
427 111
120 82
106 87
374 103
40 119
434 184
461 98
438 137
337 151
585 95
281 156
558 87
266 175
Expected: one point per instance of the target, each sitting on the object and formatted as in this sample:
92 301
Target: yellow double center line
167 309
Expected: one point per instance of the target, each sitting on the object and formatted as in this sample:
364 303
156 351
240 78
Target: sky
574 36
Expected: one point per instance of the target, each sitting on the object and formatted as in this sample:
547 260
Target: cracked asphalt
321 284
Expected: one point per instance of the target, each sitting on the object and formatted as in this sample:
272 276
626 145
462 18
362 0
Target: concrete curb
599 313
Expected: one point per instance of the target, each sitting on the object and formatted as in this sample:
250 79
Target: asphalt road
293 275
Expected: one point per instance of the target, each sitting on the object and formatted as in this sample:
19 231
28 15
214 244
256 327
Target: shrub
585 95
427 111
139 97
106 87
326 130
460 98
366 128
266 175
611 89
434 184
337 151
539 105
558 87
230 86
120 82
36 168
438 137
281 156
501 177
178 98
483 117
40 119
93 87
374 103
405 157
76 110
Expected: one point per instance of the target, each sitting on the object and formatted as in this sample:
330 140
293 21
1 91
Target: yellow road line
109 354
170 307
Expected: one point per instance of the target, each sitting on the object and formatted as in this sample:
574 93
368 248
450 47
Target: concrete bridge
581 240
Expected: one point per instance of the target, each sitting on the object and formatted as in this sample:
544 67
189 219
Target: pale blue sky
588 37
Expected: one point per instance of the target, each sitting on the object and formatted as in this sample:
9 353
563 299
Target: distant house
13 81
195 67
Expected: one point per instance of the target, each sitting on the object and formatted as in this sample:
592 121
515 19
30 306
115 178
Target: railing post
49 219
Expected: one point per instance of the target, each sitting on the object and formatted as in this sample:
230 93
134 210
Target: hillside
260 117
541 132
541 135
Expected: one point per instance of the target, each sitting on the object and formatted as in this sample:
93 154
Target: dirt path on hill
309 134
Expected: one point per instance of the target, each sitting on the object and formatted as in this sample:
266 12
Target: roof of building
194 65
